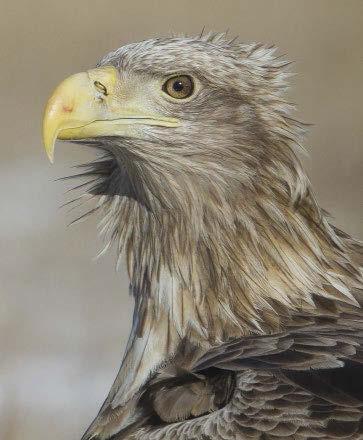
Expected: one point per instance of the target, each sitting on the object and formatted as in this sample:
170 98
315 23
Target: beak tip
49 138
50 155
51 158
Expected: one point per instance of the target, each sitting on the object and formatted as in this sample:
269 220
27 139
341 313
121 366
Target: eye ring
179 86
100 87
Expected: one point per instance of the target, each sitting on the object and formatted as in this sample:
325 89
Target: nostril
100 87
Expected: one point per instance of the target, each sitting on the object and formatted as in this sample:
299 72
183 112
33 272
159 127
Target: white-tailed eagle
248 320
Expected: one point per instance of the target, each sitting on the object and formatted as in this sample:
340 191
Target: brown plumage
248 321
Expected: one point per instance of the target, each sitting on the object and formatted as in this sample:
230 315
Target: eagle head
187 125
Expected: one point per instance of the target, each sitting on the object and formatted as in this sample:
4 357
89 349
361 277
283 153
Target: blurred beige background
64 318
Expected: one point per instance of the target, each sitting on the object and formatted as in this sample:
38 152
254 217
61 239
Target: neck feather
225 270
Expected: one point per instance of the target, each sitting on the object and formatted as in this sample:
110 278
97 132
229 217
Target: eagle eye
100 87
179 87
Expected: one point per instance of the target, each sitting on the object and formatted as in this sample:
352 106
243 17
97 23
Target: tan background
63 317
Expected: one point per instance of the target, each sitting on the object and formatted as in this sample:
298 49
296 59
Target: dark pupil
178 86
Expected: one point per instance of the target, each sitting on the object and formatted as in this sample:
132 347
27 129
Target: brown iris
179 87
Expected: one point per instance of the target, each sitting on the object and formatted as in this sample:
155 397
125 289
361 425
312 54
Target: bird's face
173 114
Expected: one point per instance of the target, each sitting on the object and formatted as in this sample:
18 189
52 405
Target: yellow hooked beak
92 104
